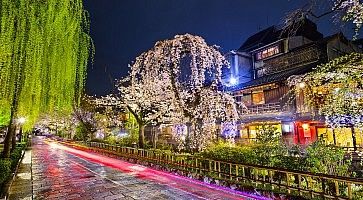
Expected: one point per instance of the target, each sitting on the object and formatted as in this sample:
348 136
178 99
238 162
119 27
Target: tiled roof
273 33
272 78
261 38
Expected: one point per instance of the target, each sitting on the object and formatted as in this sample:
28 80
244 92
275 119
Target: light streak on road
142 172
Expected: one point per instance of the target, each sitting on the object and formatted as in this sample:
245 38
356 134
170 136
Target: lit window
268 52
258 98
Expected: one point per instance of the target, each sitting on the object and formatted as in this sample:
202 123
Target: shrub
97 140
15 155
327 159
111 140
5 170
82 134
226 153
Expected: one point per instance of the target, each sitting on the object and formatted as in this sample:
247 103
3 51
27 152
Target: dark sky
123 29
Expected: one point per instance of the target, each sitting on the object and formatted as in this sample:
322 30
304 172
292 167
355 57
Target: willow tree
45 47
336 89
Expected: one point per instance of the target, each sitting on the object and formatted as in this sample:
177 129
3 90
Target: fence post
288 182
349 191
256 176
210 166
336 188
271 179
236 172
219 169
196 165
299 183
230 171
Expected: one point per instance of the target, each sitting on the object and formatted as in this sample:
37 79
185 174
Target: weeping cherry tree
191 71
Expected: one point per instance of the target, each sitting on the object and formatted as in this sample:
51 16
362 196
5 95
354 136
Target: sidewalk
21 188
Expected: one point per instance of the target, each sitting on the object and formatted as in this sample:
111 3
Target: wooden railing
266 178
263 109
292 59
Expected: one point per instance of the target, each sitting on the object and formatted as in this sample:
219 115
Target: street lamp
233 81
21 121
302 85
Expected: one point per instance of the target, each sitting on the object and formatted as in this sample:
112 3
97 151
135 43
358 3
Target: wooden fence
266 178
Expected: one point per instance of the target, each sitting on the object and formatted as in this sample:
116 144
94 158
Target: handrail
290 181
263 108
294 58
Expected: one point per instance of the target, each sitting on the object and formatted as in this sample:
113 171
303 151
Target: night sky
123 29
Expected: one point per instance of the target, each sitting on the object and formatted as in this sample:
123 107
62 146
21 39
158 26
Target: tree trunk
13 141
334 137
354 139
8 140
154 134
141 135
187 137
20 133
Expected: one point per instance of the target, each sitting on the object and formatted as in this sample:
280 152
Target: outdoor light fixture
233 81
286 128
21 120
305 126
302 85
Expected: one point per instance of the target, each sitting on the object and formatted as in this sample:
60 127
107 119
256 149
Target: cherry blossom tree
190 72
148 100
177 83
336 90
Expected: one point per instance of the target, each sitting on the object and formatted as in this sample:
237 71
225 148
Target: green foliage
15 156
44 52
225 152
327 159
111 139
268 135
335 89
132 129
7 165
4 113
318 159
5 170
82 133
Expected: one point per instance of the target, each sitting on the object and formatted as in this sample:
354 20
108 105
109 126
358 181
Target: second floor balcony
266 109
296 58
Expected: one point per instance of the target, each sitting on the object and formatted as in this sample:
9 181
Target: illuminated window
268 52
258 98
246 99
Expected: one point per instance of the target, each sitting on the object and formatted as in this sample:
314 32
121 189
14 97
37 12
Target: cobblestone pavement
61 172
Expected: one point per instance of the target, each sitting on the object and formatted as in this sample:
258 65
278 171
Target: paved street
60 172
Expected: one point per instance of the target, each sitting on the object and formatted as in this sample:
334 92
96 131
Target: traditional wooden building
274 56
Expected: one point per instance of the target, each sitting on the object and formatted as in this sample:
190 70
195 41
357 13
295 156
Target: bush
82 134
223 152
97 140
111 140
15 156
5 170
318 158
327 159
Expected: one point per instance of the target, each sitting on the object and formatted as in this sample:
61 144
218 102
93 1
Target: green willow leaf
44 51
